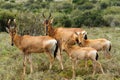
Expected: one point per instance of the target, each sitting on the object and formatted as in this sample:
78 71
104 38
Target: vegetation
91 15
11 61
69 13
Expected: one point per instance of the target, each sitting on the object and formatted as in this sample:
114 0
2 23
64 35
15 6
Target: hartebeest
100 44
76 52
60 33
33 44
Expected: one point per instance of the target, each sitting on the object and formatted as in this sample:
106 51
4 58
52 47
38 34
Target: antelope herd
71 40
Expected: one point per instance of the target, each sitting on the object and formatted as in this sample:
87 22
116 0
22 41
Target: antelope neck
51 30
17 40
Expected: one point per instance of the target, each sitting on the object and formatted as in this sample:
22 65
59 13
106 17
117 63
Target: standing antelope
33 44
83 53
60 33
101 44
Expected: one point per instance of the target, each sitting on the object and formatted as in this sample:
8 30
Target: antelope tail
110 47
56 50
97 56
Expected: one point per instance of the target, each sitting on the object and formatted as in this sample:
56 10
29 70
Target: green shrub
62 20
75 16
13 1
8 6
63 7
76 13
6 0
115 3
31 1
29 23
93 18
103 5
112 20
4 16
66 22
79 2
78 21
89 18
87 5
112 10
44 5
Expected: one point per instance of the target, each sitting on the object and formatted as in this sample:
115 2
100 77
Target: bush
62 20
75 17
89 18
66 22
29 23
6 0
13 1
112 10
63 7
44 5
4 16
8 6
79 2
115 3
35 6
78 21
87 5
112 20
103 5
93 18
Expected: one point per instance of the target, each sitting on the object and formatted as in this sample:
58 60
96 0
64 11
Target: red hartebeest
76 52
33 44
100 44
61 33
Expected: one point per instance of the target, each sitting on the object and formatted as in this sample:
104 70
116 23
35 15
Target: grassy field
11 60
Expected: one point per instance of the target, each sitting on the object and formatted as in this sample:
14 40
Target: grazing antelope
101 44
33 44
60 33
76 52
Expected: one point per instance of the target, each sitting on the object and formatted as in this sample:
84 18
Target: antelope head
11 29
81 36
47 22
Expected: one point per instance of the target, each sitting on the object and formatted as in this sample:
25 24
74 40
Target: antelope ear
7 29
77 33
51 21
84 32
85 35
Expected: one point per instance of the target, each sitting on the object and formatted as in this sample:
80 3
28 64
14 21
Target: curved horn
43 15
14 20
49 16
9 23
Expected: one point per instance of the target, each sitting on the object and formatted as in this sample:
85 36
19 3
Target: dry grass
11 61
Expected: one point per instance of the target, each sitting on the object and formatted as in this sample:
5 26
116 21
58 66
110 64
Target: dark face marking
85 37
12 30
77 40
12 33
46 21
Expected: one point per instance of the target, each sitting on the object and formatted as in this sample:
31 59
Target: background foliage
92 15
68 13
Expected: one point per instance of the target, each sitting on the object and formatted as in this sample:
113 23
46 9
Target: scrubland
11 60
